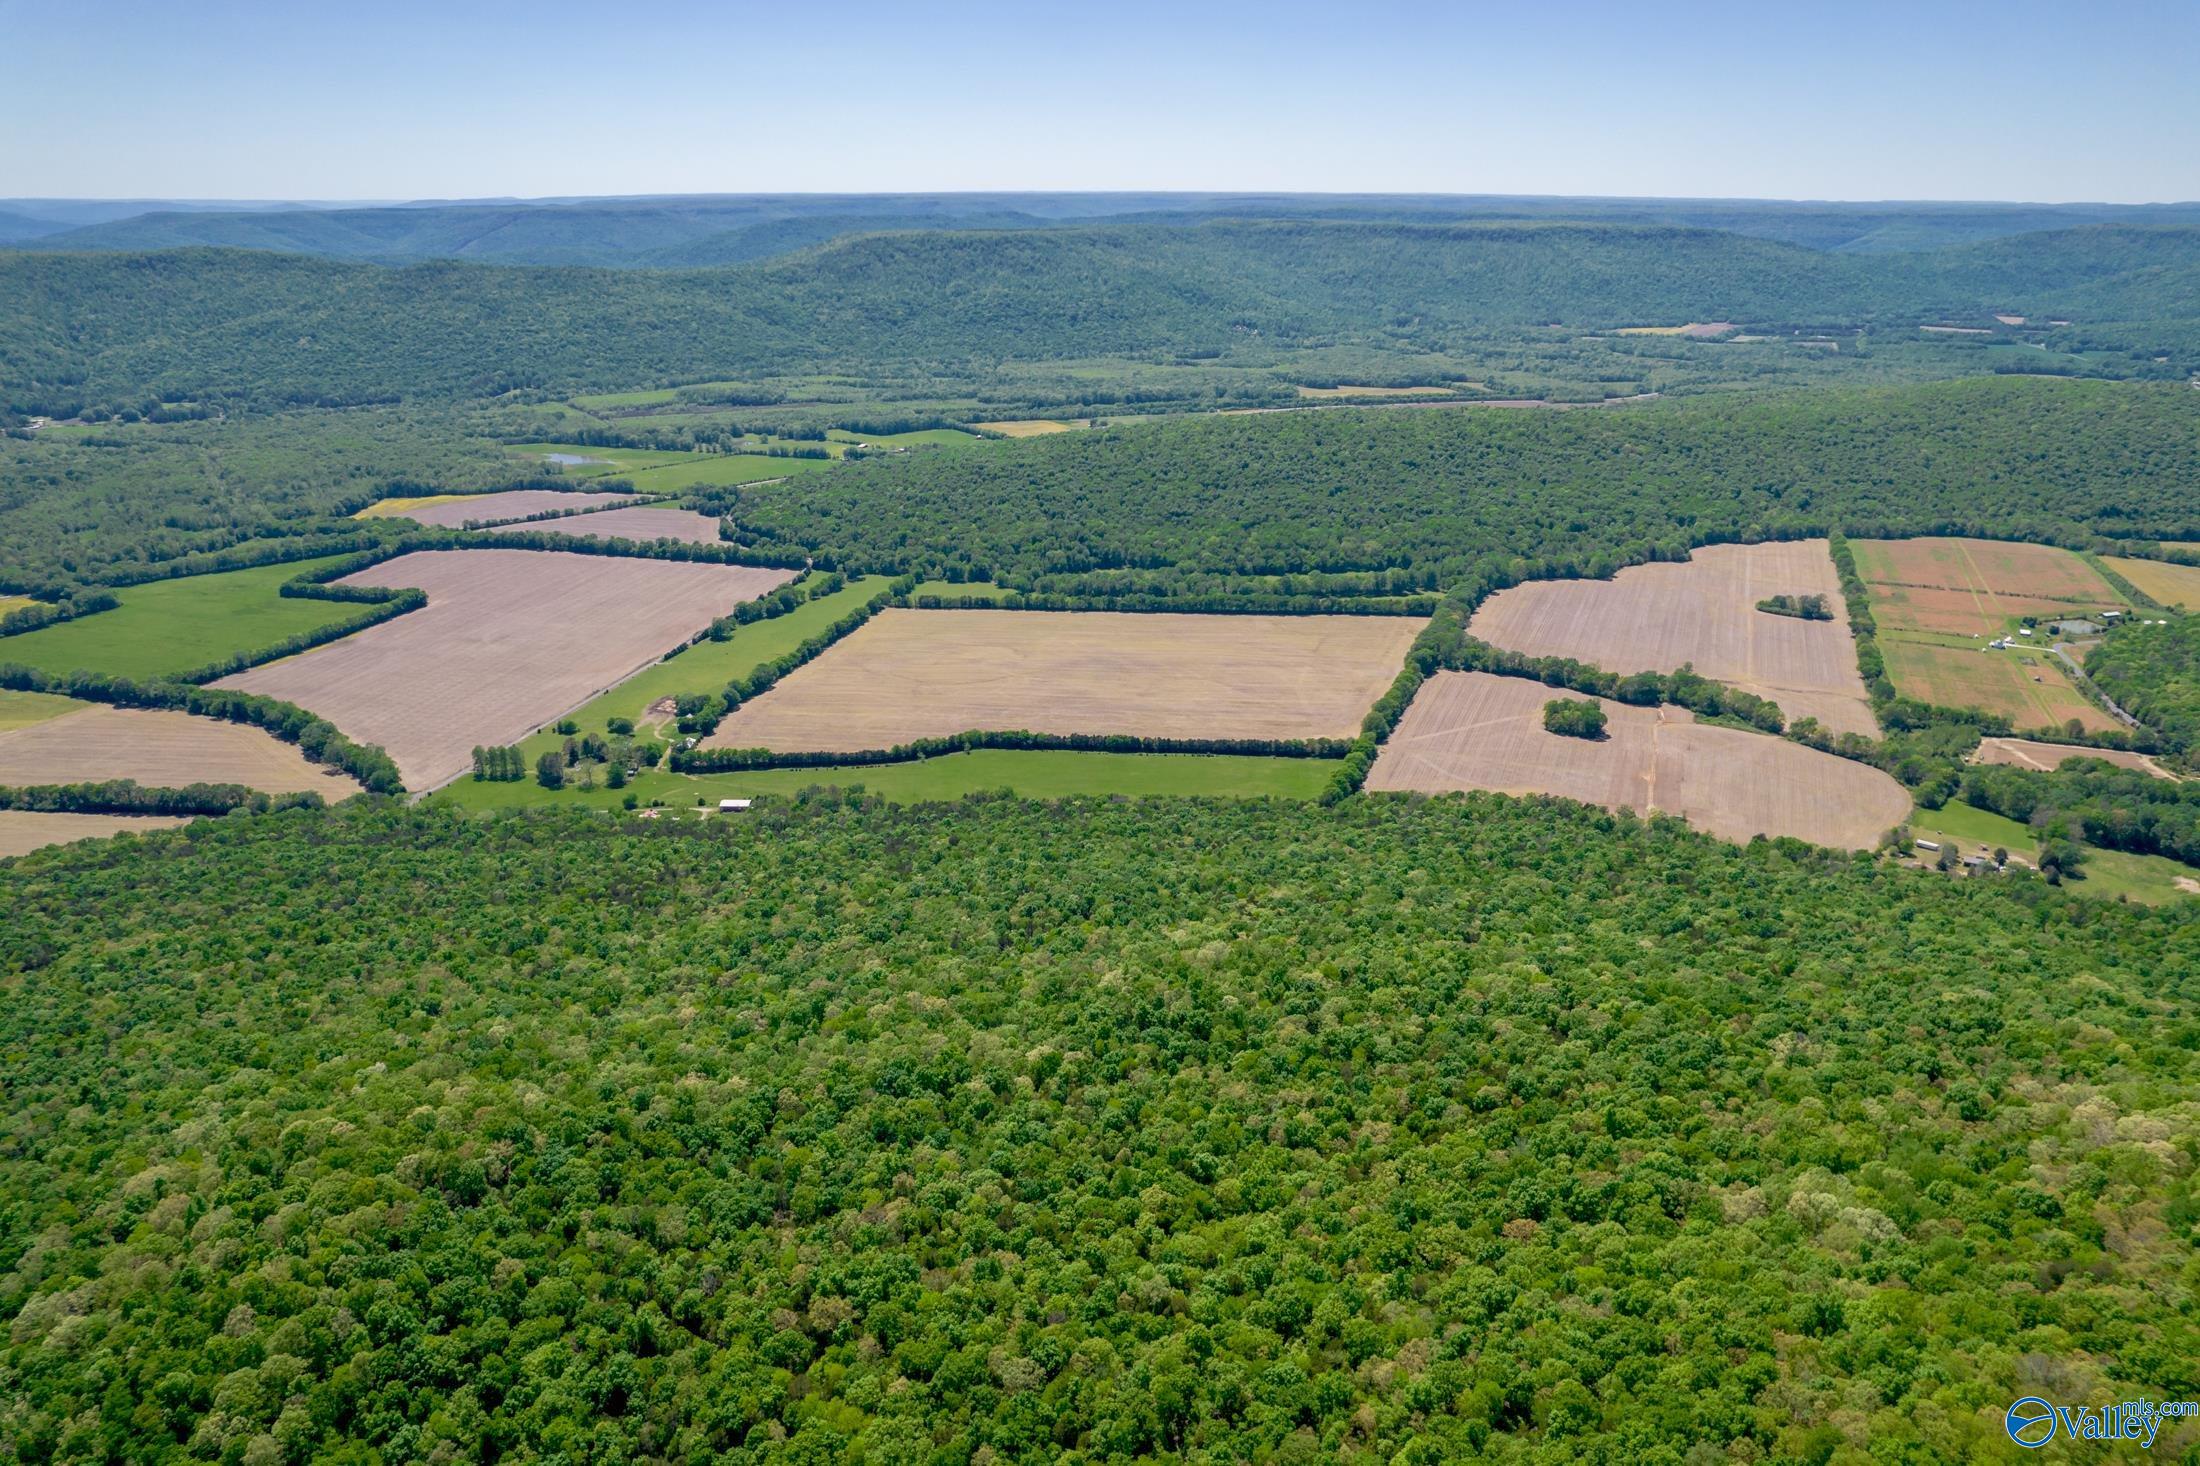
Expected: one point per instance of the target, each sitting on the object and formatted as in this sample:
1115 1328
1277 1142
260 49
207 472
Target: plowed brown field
511 504
509 640
639 523
927 674
162 749
1653 618
1472 730
22 831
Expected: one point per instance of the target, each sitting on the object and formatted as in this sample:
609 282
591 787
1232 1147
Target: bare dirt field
511 504
1030 427
2171 584
2028 687
161 749
509 640
1972 587
640 523
927 674
1473 730
1653 618
22 831
2026 754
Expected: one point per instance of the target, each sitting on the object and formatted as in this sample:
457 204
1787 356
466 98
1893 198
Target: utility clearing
1701 611
509 640
1475 730
908 674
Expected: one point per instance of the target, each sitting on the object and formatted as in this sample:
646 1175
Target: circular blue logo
2030 1422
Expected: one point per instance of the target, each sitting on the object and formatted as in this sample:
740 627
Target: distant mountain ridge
682 231
257 326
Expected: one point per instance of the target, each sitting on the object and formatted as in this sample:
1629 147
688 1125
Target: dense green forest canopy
1450 489
272 329
1244 1130
113 502
2154 673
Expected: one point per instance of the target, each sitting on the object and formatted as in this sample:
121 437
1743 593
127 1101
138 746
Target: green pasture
169 627
2108 873
1033 774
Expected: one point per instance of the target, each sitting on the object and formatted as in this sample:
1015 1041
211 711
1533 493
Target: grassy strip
1027 774
695 675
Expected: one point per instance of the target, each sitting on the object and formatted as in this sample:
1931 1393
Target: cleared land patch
22 831
511 504
2024 753
2170 583
1473 730
715 470
2028 687
509 640
1324 392
639 523
403 508
1975 587
169 627
924 674
1030 427
1654 618
161 749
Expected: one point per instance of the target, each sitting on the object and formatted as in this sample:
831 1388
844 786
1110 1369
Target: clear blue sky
2073 100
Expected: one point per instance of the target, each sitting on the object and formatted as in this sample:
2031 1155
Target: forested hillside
1249 1131
108 504
272 329
1453 492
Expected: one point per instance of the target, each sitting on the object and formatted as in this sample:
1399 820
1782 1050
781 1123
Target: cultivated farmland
509 640
1473 730
2025 685
1654 618
920 674
160 749
1975 587
2170 583
509 505
2025 753
23 830
638 523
